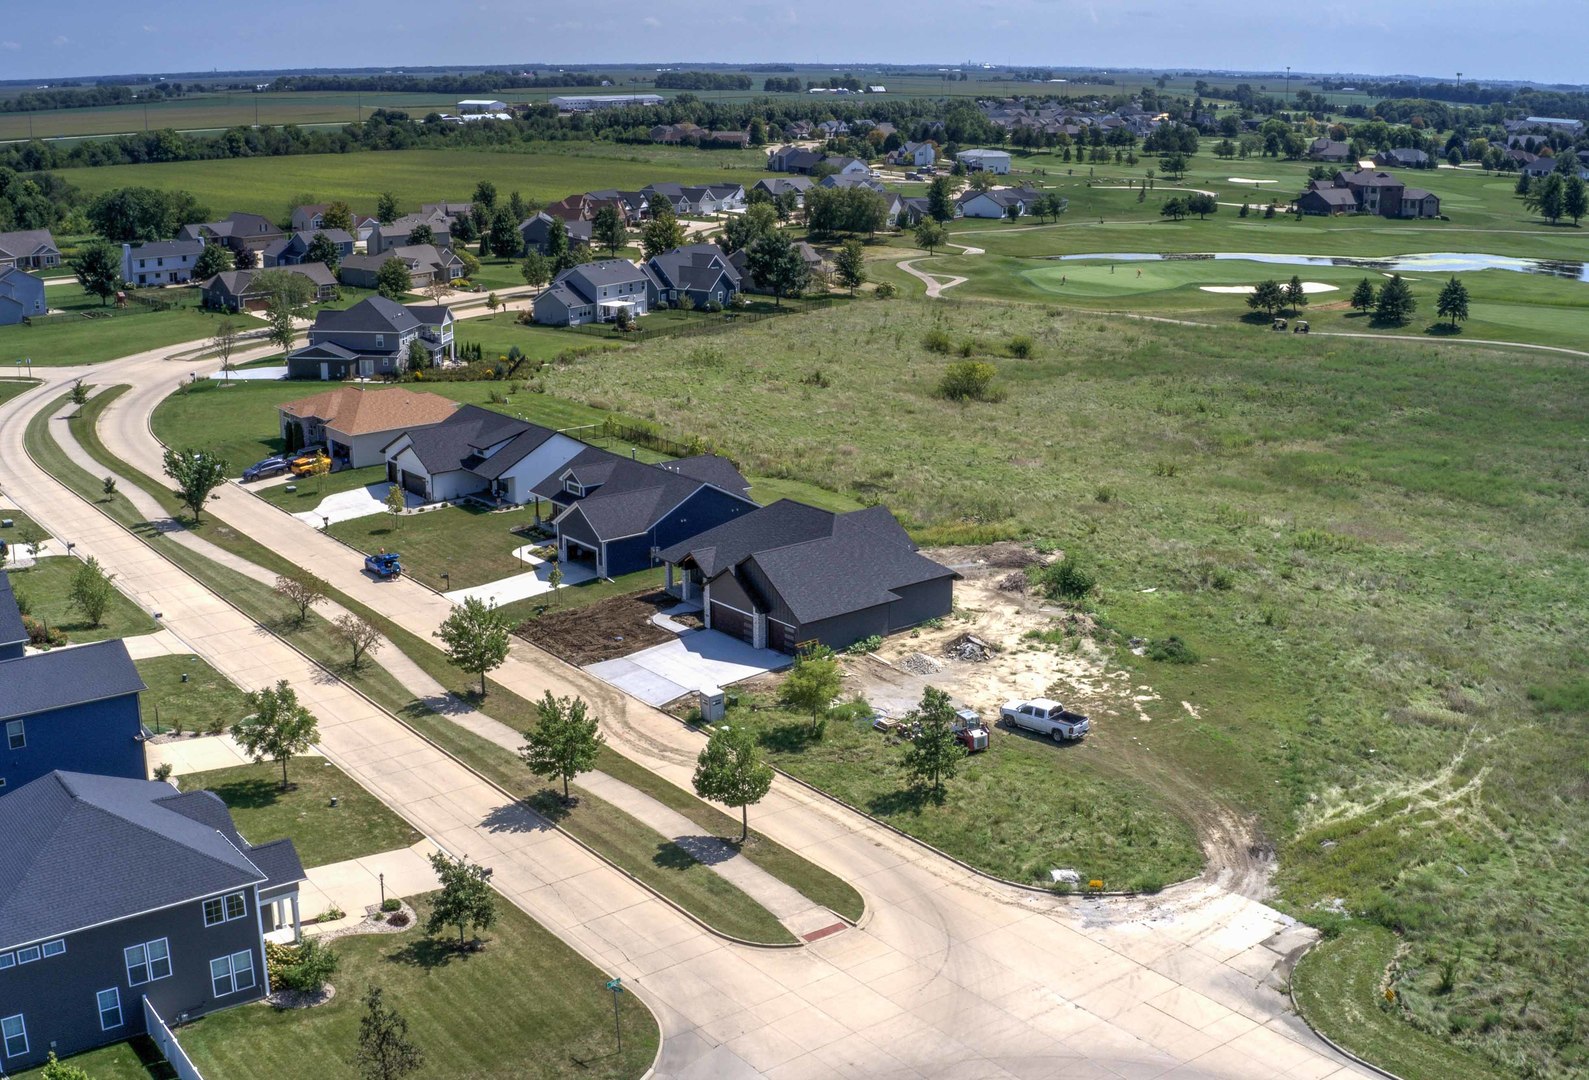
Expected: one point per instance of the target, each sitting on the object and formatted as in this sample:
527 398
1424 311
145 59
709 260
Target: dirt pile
1015 581
919 664
969 647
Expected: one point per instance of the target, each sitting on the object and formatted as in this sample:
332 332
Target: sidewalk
355 884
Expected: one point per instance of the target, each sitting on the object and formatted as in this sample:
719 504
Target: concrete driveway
698 660
523 586
360 502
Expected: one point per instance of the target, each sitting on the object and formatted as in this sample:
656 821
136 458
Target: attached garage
727 620
415 483
781 636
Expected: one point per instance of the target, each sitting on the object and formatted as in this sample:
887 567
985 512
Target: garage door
414 482
780 637
733 622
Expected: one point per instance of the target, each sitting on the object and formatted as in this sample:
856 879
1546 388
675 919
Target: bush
1104 493
40 635
162 771
936 341
1021 347
399 919
391 903
312 967
967 349
969 380
1067 579
866 645
885 290
1172 650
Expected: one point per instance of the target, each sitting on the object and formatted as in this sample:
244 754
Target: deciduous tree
214 259
564 742
730 770
812 684
505 237
197 473
323 249
662 233
776 264
933 755
392 280
1575 198
607 229
278 727
98 270
92 591
225 343
476 637
337 216
535 270
303 590
930 233
850 265
465 900
361 637
386 210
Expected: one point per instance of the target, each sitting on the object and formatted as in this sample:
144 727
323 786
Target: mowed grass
470 543
185 689
47 586
359 825
266 186
136 1059
527 1007
1376 548
10 388
85 339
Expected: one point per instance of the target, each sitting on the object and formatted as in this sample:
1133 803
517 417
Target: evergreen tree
1296 295
1363 295
1395 304
1268 297
1453 302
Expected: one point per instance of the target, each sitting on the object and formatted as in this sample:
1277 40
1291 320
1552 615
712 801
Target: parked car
1046 717
970 731
260 470
385 565
315 461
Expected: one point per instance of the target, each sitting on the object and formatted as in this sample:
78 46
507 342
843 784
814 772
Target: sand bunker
1308 288
1248 180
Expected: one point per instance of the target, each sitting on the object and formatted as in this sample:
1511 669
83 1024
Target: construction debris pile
969 647
1015 581
920 664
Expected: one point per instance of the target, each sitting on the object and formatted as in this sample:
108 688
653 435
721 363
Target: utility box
714 705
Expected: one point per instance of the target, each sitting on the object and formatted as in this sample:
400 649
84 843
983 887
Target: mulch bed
601 631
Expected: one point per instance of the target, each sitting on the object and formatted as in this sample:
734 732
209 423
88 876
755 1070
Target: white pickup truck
1045 717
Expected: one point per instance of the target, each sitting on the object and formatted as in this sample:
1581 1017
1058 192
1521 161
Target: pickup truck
310 463
1046 717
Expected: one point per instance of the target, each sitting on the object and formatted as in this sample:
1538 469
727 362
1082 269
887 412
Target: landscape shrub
391 903
1067 579
398 919
41 635
311 968
936 341
969 380
1172 650
1021 347
866 645
885 290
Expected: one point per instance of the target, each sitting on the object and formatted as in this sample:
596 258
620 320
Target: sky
1498 39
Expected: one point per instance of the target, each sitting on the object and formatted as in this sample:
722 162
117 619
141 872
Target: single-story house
700 271
373 337
21 296
426 264
685 198
234 290
998 202
236 230
356 424
847 166
777 185
29 249
616 513
993 161
793 159
634 205
595 292
1329 150
788 574
816 265
294 249
1404 157
127 900
537 230
475 451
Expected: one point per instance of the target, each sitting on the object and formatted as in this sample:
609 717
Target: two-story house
701 272
124 900
373 337
160 262
915 155
72 709
237 230
537 230
395 234
21 296
595 292
294 249
1380 193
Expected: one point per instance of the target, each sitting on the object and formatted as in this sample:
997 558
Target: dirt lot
604 630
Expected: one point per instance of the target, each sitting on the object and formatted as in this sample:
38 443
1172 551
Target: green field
47 587
1366 581
267 186
527 1007
90 332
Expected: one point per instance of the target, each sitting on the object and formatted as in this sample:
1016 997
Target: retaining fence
708 323
160 1032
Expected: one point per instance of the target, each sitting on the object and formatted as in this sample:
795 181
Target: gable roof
84 850
26 242
631 496
354 410
457 441
774 525
374 315
693 267
161 249
64 677
237 282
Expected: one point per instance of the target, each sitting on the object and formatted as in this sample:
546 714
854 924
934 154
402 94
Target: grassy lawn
1340 987
136 1059
1364 581
469 543
310 491
10 388
186 689
47 584
537 1009
359 825
97 332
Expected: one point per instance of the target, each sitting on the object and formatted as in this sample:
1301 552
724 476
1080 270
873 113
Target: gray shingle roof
12 632
375 314
25 242
167 249
83 850
631 496
456 442
774 525
63 677
693 266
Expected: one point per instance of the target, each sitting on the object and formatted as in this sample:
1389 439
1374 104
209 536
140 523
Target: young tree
1575 198
197 473
476 638
1395 304
1266 296
1363 296
278 728
812 684
1296 295
55 1069
323 249
662 233
564 741
554 579
337 216
850 266
776 264
465 899
1523 184
225 343
930 233
214 259
79 392
392 280
607 229
933 755
730 770
361 638
108 486
92 591
396 503
384 1051
386 210
506 240
535 270
302 589
1453 302
98 270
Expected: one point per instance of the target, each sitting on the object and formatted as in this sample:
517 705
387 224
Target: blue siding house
74 709
13 635
616 514
126 895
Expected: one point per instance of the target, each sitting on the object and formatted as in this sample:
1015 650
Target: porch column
297 927
668 572
706 605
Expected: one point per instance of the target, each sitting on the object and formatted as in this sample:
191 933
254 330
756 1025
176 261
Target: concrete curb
461 764
1291 993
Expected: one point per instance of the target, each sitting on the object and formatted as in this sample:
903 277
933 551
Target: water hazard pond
1441 262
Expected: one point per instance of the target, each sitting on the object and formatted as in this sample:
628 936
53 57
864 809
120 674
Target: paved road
950 975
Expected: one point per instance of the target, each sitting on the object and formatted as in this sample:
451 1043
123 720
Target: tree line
702 80
484 82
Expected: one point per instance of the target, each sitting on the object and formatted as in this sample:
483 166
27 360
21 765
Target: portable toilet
714 705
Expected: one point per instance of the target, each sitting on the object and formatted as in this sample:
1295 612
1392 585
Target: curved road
949 974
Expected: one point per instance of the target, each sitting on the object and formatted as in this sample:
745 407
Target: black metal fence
704 323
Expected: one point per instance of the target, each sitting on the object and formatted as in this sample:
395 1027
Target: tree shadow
708 850
671 856
535 814
907 800
1257 318
252 794
1442 329
428 953
788 738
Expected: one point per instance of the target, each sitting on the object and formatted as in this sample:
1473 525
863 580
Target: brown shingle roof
355 411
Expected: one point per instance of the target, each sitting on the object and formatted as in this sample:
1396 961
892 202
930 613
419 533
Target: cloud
148 29
653 22
12 45
60 39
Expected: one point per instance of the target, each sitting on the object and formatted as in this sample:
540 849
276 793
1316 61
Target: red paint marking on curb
817 935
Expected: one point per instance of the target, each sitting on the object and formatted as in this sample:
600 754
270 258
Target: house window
109 1009
28 955
380 341
148 962
16 734
54 948
573 487
16 1035
219 909
7 960
230 974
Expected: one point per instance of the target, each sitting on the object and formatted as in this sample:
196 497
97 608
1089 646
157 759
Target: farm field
267 186
1367 587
